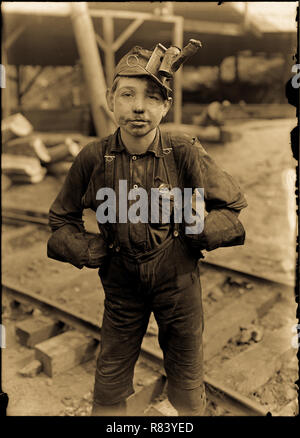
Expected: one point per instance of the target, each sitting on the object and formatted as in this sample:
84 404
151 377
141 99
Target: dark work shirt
195 167
140 171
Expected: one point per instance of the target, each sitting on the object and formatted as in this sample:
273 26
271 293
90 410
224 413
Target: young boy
145 266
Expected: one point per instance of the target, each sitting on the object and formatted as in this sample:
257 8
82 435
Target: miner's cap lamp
159 64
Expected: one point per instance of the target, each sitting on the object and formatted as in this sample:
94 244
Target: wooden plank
31 369
15 125
35 330
61 9
224 325
127 33
59 121
211 27
148 385
129 15
231 400
65 351
162 409
101 43
92 67
227 322
108 31
177 81
10 39
290 410
253 368
62 313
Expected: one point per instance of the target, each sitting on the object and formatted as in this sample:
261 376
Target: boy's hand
96 252
78 248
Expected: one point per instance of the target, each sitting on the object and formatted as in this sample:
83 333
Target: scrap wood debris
28 156
24 169
15 125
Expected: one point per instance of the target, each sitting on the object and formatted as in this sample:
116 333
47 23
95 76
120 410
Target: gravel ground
264 172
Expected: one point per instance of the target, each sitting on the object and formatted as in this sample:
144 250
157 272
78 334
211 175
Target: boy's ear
110 100
167 105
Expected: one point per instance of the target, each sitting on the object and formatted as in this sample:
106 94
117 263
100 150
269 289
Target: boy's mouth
138 121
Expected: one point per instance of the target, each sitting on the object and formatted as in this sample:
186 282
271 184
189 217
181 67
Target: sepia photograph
149 212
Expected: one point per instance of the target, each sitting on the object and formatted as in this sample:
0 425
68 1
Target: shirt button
175 233
135 186
134 157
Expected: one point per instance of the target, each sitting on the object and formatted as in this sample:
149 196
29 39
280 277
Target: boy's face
138 105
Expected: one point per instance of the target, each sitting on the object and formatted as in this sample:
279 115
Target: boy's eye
153 96
126 93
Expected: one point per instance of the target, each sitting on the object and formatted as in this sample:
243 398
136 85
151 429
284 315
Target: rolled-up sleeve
67 208
220 189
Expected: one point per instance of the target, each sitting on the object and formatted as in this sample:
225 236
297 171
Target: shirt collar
155 147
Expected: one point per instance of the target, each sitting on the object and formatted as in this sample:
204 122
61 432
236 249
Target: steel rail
236 403
15 216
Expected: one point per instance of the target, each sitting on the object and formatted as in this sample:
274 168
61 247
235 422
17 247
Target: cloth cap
134 64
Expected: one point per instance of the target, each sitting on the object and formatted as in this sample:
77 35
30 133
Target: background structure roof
46 36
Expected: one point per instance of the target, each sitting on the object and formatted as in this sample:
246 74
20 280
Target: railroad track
233 300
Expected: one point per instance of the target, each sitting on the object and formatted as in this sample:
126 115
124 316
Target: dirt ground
260 159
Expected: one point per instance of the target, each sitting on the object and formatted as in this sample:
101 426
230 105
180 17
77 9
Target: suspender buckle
109 158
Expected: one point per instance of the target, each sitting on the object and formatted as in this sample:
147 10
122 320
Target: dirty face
138 105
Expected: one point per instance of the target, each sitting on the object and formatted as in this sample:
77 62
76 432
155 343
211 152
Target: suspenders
170 165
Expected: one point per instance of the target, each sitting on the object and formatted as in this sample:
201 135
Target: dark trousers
168 284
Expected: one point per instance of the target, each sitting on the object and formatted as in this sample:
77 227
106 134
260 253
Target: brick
65 351
255 366
35 330
32 369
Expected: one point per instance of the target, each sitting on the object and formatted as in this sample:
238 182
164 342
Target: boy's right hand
77 248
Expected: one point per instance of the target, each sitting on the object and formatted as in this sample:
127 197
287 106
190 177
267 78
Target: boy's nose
139 105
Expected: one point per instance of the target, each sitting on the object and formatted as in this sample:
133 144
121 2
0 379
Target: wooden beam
212 27
236 68
177 82
246 16
92 66
129 15
127 33
108 32
10 39
6 99
37 8
101 43
31 82
18 84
